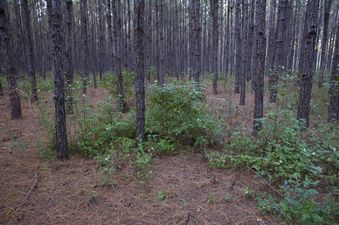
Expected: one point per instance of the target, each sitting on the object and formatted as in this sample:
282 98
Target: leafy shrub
45 85
278 152
109 83
160 146
178 112
298 162
101 132
298 205
217 160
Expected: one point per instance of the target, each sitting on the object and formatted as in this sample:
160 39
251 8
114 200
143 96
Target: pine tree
59 96
306 61
139 11
7 55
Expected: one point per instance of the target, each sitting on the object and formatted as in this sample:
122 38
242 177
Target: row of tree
242 38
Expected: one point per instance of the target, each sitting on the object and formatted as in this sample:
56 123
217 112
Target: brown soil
37 191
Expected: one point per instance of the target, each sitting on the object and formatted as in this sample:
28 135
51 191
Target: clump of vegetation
162 196
295 161
109 83
102 132
178 112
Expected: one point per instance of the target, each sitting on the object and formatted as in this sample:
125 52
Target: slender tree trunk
227 40
1 88
333 109
238 46
117 42
6 51
259 65
69 56
327 10
31 54
215 40
244 55
197 43
280 50
85 47
139 11
306 62
101 39
251 40
59 97
271 48
161 46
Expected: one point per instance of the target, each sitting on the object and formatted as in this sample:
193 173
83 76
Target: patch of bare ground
36 191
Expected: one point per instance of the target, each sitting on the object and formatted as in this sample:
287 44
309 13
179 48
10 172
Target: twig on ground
29 192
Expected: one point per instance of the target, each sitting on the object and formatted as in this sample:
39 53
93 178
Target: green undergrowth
109 83
301 165
176 118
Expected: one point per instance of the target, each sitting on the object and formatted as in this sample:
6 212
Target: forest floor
37 191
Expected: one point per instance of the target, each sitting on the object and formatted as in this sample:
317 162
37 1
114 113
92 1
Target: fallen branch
29 192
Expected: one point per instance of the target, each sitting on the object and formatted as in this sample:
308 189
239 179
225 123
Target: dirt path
36 191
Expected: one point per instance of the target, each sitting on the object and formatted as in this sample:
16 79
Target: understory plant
298 163
178 112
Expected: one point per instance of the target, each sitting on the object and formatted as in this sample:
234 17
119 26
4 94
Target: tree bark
117 42
30 47
196 42
6 51
259 65
327 10
280 51
238 46
59 97
101 39
333 109
69 56
139 11
85 47
244 55
306 62
215 40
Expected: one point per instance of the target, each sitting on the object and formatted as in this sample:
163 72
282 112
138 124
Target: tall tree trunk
110 34
251 40
227 40
6 51
244 55
280 51
69 56
59 97
327 9
259 65
117 42
1 88
215 40
139 11
271 36
101 39
197 43
238 45
161 45
306 62
85 47
31 54
333 109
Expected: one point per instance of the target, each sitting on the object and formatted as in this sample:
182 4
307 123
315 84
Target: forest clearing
191 112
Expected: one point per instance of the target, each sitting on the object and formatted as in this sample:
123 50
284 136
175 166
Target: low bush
105 131
109 83
297 162
178 112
